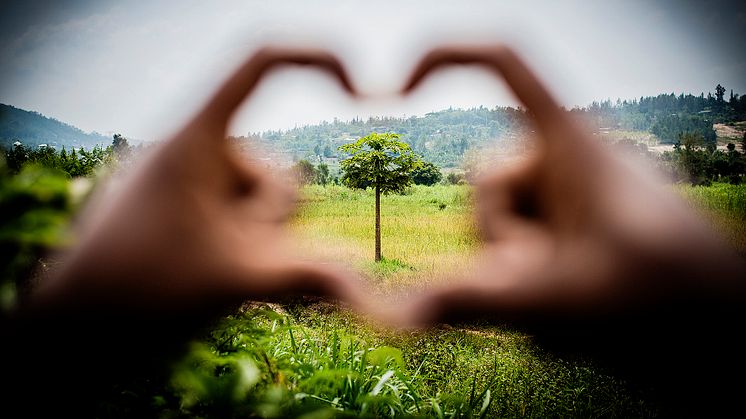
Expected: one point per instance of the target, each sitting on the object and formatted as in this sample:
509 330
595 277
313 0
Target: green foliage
667 115
304 172
379 161
440 137
724 205
443 137
694 161
428 174
75 163
456 179
312 359
322 174
36 200
670 128
307 174
258 362
120 146
385 268
35 205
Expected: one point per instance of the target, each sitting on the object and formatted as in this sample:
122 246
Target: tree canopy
428 174
380 161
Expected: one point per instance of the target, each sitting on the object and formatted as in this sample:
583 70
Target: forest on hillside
443 137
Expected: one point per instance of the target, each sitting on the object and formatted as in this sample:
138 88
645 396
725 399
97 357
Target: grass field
427 234
724 207
310 358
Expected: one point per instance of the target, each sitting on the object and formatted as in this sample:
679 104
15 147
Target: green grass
427 234
724 206
318 361
313 359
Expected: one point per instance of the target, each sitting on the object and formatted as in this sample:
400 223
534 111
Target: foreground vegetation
724 206
312 357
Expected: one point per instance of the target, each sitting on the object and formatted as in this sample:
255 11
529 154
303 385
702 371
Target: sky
142 68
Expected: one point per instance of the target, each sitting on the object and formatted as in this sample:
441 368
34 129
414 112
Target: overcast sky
141 69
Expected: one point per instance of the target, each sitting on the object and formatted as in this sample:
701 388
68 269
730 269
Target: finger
501 59
310 279
229 96
507 296
446 305
506 200
264 198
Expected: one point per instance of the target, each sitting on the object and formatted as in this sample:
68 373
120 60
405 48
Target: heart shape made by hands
565 235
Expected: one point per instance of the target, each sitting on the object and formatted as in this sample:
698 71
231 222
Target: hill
440 137
443 137
33 129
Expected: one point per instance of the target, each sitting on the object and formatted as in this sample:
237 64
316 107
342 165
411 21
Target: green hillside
33 129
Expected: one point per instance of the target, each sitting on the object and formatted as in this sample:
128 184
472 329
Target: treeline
439 137
443 137
668 116
697 161
305 173
74 162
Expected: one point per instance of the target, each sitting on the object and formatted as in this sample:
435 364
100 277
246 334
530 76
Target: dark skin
571 234
194 223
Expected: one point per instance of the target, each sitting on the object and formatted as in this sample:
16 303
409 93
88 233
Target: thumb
462 302
316 279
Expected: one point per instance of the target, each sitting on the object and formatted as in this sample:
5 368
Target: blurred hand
195 225
571 231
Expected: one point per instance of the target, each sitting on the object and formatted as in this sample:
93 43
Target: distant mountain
33 129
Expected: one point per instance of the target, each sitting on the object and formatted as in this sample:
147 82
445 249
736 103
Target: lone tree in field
382 162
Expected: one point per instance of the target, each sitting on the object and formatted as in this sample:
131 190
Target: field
310 357
724 207
427 234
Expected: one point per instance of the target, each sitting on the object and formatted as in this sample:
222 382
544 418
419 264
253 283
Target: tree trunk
378 223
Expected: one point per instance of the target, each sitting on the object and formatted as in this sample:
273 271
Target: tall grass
724 206
270 361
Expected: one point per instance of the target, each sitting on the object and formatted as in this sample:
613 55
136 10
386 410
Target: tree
719 92
304 172
322 174
428 174
382 162
121 148
120 144
455 179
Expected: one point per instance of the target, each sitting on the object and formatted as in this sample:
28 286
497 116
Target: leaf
485 403
379 386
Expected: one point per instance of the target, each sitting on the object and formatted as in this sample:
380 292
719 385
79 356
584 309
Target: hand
572 232
194 225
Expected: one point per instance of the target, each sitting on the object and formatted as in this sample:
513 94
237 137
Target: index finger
522 81
229 96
